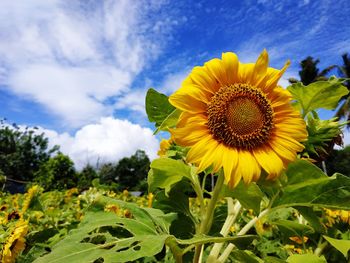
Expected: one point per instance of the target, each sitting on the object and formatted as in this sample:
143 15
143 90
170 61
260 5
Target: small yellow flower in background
294 249
29 197
150 197
112 208
15 243
70 193
345 216
125 192
235 117
337 216
164 146
298 240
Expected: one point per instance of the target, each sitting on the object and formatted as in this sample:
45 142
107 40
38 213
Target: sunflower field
239 178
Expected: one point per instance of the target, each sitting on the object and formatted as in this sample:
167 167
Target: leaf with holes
105 237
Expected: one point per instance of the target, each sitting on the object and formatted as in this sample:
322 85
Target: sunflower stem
243 231
207 216
232 214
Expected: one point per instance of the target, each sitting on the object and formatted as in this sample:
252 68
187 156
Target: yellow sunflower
235 116
164 147
15 243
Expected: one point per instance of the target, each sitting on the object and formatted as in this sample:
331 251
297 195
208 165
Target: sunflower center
240 116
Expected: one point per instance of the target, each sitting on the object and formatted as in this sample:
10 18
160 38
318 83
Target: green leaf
249 196
309 258
169 122
320 94
342 245
105 236
246 256
166 172
177 201
240 242
158 108
291 228
309 186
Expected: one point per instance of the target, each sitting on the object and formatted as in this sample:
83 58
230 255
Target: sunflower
15 243
164 146
235 116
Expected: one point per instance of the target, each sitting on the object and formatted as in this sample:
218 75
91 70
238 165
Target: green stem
320 247
232 213
175 249
207 217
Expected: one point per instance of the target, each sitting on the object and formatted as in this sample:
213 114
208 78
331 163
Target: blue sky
80 69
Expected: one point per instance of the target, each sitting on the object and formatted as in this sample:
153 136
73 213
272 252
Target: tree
86 176
339 161
131 172
310 72
344 71
22 151
57 173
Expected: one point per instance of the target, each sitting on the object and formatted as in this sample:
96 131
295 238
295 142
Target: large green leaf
249 196
342 245
309 186
166 172
306 258
170 121
240 242
177 201
320 94
159 110
105 236
291 228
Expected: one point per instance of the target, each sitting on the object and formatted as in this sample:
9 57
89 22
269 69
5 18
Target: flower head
235 116
15 243
164 146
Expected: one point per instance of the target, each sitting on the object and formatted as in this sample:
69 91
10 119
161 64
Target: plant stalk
232 213
207 217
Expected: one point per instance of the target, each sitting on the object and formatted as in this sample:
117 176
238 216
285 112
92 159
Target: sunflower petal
230 159
269 161
200 76
247 166
231 64
260 68
217 69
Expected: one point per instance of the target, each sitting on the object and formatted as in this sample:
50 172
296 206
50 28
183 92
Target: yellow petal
246 72
229 160
247 166
218 158
275 76
269 161
209 157
185 102
260 68
198 150
217 69
200 76
188 136
231 65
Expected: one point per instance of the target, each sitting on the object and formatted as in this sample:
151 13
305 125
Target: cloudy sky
80 69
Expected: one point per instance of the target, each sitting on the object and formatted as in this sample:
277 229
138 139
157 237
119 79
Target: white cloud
109 140
73 57
172 82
